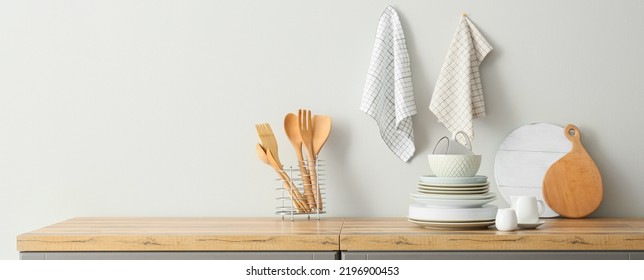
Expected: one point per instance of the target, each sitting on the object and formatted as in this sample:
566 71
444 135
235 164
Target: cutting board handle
573 134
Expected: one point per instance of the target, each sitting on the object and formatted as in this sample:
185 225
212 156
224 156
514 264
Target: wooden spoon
572 185
292 128
321 131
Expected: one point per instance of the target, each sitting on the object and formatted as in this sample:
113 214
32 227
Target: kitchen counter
396 234
313 238
354 238
184 234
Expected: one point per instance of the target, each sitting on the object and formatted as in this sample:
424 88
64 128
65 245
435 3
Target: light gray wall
146 108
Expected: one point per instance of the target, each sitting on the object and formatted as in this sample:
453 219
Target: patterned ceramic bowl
454 165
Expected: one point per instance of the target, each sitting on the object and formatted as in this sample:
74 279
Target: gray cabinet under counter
487 255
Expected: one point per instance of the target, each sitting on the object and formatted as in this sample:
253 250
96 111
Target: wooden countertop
327 234
185 234
397 234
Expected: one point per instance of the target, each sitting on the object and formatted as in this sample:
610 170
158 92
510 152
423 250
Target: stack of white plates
453 203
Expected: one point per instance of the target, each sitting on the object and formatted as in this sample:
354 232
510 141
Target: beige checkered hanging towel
458 97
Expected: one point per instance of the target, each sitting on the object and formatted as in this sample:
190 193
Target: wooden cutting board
572 185
524 157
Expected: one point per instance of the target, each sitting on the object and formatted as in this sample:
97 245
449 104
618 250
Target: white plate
421 212
432 179
443 225
530 225
452 192
524 157
453 185
454 197
455 203
453 189
452 222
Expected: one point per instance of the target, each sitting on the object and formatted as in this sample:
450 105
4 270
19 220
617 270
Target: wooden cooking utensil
321 131
306 131
296 196
267 137
261 154
269 143
572 186
292 128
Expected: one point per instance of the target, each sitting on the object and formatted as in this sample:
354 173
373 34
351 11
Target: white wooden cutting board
524 157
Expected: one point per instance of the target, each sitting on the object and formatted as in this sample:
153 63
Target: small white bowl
454 165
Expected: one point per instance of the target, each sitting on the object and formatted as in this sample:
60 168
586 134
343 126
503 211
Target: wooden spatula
572 186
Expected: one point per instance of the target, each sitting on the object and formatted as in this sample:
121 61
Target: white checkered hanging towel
388 93
458 96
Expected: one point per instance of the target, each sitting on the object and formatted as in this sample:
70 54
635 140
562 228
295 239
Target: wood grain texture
352 234
184 234
397 234
572 186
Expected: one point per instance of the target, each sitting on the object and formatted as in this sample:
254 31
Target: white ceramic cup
506 219
527 209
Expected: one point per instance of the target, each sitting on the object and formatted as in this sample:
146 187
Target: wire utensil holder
285 199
